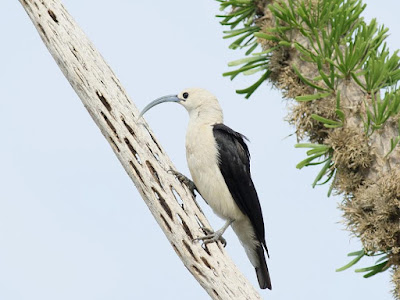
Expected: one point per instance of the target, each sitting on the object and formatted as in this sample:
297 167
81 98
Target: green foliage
394 141
358 255
307 81
312 20
382 109
242 12
250 65
324 45
381 265
332 123
317 155
343 47
380 71
244 37
379 110
327 122
339 42
306 98
364 40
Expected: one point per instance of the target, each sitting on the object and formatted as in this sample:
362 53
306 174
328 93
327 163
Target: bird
219 163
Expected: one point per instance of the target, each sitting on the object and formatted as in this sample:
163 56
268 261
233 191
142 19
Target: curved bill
169 98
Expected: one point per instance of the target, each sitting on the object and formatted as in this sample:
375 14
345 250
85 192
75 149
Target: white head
199 103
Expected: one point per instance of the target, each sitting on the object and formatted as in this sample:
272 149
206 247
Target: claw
211 237
183 179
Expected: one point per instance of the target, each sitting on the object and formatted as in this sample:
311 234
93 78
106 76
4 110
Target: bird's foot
212 237
183 179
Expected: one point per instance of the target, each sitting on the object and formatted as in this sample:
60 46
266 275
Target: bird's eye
185 95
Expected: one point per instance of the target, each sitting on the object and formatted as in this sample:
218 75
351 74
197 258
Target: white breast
202 159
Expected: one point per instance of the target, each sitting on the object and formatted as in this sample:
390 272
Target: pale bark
137 149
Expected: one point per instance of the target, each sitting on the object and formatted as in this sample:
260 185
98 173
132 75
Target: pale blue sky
72 225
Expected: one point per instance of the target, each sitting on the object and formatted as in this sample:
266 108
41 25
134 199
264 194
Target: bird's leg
183 179
212 237
209 238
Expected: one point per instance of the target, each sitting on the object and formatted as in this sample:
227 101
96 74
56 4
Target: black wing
234 163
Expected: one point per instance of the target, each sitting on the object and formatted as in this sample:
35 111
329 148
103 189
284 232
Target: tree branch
337 66
171 204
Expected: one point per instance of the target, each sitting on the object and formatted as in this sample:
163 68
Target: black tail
262 270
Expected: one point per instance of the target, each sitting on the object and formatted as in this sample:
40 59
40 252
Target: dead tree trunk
141 155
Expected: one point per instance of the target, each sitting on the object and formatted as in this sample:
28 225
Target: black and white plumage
219 163
234 164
